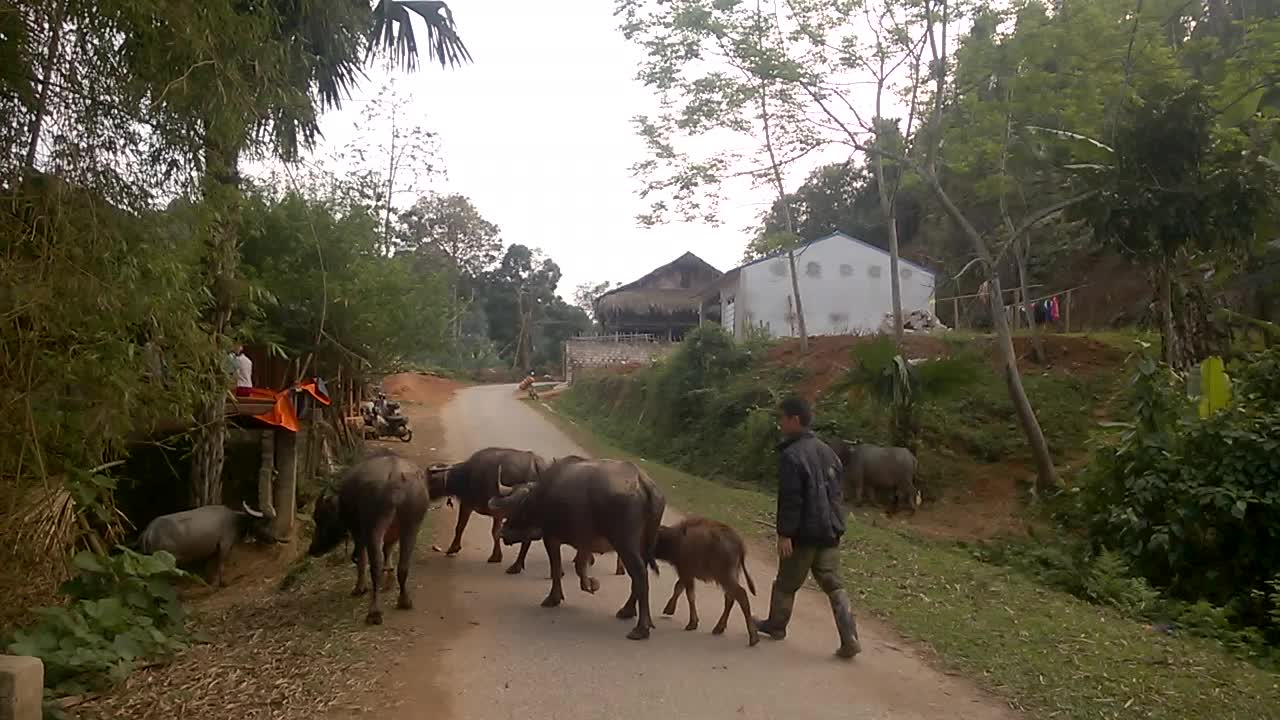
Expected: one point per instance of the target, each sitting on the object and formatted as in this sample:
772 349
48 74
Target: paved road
487 651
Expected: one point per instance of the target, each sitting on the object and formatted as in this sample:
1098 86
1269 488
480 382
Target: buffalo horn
251 511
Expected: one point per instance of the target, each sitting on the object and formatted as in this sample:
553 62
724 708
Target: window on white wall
813 270
846 270
873 271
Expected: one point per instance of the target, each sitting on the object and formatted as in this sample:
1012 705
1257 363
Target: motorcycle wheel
407 436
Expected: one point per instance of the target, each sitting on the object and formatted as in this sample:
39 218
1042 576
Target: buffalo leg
518 566
379 530
408 539
464 514
387 570
557 572
723 622
634 563
496 556
362 561
620 569
581 562
219 563
693 605
670 608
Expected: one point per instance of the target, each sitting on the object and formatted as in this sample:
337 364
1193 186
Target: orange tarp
281 413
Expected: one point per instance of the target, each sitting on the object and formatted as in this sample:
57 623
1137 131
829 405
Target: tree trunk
888 208
267 474
1046 475
1168 333
56 21
222 262
786 214
795 292
1020 257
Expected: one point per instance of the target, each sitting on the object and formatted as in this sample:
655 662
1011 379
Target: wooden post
267 472
1066 315
702 312
955 305
286 488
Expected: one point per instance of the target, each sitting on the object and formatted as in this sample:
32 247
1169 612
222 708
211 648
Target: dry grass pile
298 650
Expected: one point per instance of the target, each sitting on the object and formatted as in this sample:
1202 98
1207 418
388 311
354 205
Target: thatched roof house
661 303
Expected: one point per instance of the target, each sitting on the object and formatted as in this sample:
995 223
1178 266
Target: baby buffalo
710 551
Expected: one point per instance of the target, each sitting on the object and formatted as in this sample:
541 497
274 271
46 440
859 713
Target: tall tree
738 96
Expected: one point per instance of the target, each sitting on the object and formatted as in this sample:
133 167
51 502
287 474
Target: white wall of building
844 285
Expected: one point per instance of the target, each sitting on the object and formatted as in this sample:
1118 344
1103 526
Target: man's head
795 416
239 348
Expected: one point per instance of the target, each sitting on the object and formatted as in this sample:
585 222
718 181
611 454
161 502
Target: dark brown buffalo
702 549
479 479
595 506
376 493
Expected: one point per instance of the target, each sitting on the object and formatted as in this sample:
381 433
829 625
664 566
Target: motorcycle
387 423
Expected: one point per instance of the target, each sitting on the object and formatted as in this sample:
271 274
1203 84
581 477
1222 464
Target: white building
844 287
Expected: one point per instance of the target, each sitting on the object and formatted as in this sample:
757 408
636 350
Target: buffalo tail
742 562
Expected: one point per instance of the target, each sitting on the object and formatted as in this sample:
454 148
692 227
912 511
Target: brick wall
605 351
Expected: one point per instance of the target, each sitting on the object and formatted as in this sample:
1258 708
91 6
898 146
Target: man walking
810 524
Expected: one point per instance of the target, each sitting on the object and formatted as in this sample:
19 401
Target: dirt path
482 647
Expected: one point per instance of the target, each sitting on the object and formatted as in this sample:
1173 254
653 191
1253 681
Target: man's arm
790 497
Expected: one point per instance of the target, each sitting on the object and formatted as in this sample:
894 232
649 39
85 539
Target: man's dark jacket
810 492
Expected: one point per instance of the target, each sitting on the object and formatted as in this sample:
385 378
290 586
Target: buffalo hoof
620 570
718 630
753 640
590 585
693 625
515 569
670 609
495 558
373 618
360 590
551 601
626 613
453 551
638 632
405 603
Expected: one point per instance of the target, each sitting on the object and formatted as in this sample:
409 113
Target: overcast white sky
537 132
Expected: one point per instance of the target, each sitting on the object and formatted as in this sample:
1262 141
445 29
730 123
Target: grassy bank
1048 653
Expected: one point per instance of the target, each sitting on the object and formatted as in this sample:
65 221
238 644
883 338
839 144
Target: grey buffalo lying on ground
702 549
208 532
375 495
871 470
596 506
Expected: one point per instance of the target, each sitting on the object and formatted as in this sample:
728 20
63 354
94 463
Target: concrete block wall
587 353
21 687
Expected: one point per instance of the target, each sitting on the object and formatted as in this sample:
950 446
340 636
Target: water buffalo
479 479
873 470
376 493
596 506
206 532
702 549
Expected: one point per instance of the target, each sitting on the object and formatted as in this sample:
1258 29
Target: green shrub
1193 504
121 609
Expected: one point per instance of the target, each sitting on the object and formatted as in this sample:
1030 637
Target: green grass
1048 653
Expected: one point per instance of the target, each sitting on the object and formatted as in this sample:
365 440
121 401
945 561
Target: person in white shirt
243 371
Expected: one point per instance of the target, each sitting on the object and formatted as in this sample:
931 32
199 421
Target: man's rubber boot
845 624
780 606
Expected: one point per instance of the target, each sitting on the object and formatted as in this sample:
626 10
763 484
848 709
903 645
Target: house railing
619 338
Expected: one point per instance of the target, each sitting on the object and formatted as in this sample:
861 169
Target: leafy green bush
1193 505
121 609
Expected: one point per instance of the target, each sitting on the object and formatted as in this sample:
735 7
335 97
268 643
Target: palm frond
393 32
